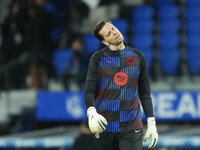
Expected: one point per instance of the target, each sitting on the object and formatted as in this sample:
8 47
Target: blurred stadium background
45 46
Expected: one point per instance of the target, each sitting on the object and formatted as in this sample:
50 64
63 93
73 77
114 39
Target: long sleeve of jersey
144 89
91 83
116 83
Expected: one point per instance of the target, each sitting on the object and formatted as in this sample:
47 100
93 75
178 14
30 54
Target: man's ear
106 43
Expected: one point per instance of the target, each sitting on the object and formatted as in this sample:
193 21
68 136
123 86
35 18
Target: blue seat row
143 38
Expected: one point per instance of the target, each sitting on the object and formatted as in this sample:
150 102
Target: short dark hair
98 28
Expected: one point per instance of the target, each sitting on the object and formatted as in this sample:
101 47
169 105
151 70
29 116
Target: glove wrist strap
91 110
151 121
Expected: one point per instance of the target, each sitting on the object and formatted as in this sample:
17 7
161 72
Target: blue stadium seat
192 2
163 2
169 41
126 38
50 7
193 61
170 27
192 13
145 12
143 27
122 25
143 41
193 27
193 41
149 56
56 34
61 59
91 43
169 12
169 61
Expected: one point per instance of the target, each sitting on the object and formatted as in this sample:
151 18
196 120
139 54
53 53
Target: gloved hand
96 121
151 131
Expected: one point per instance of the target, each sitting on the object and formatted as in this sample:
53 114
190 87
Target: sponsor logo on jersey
120 78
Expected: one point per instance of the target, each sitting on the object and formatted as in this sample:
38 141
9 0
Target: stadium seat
61 59
143 27
169 61
50 7
168 12
193 41
193 27
169 41
122 25
56 34
149 56
142 41
163 2
141 13
193 61
126 38
91 43
192 13
192 2
170 27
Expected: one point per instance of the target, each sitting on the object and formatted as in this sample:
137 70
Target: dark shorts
129 140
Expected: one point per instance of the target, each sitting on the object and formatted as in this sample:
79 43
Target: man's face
111 35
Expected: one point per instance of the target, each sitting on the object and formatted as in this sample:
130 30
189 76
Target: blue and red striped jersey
117 81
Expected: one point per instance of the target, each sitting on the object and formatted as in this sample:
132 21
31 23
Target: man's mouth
118 36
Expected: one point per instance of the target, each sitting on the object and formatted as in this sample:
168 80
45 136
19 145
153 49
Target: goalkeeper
117 81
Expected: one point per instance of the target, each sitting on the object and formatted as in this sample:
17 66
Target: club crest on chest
130 60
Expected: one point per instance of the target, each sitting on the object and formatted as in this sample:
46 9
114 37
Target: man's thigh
131 140
106 141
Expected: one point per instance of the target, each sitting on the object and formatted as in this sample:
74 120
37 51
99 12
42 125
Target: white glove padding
96 121
151 131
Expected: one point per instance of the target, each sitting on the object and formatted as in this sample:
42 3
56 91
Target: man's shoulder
138 52
134 49
100 52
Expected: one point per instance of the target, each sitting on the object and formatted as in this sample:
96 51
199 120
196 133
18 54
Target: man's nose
114 33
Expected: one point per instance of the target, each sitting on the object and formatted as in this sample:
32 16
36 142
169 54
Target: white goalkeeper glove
96 121
151 131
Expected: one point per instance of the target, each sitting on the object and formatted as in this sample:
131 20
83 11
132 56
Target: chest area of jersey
119 68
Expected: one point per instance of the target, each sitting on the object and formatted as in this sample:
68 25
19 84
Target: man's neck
117 47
